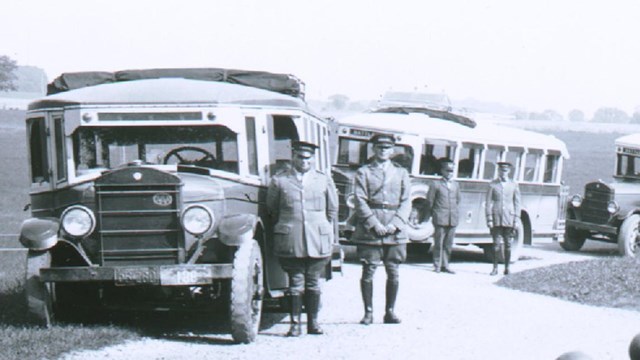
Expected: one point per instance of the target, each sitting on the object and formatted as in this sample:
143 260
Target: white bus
424 136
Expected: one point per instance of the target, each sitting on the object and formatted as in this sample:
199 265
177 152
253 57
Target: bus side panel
472 218
541 202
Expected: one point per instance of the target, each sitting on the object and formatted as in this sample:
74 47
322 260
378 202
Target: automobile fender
623 215
237 229
39 233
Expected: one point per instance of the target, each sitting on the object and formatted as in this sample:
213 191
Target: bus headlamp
576 200
612 207
197 219
78 221
351 201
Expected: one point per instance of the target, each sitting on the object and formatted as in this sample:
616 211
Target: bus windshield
356 152
212 147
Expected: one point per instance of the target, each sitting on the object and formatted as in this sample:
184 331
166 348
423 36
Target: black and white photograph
280 179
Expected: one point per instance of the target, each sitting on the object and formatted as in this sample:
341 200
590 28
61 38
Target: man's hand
490 224
391 229
380 229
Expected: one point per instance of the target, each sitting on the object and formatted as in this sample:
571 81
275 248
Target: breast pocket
291 198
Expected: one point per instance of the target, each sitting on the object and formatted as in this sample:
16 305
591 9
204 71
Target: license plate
129 276
185 275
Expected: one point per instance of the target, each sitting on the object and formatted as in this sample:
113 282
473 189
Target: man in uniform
303 203
503 214
382 207
443 199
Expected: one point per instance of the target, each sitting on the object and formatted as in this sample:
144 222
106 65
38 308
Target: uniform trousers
502 232
304 273
390 255
442 244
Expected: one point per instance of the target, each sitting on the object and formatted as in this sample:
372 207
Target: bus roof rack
281 83
440 114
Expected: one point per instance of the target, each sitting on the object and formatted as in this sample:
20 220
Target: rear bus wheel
629 236
246 292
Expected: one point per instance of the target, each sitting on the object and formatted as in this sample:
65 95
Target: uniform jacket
503 203
443 201
303 213
382 196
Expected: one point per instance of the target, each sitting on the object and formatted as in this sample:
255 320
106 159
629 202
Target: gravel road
461 316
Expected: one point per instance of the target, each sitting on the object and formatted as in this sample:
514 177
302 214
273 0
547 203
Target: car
148 192
609 212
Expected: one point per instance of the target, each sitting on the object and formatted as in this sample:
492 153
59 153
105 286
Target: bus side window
38 150
531 164
282 132
551 168
467 165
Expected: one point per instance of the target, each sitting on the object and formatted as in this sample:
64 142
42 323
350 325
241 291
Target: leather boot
366 288
507 260
391 292
312 306
495 261
296 307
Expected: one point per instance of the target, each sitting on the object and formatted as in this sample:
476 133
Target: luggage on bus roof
281 83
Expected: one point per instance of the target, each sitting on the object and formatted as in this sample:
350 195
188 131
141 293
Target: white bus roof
168 91
632 140
435 128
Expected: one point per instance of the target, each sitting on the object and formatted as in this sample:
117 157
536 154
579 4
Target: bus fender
237 229
39 233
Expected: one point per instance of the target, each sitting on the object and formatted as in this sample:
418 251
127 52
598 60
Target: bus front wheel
573 239
629 236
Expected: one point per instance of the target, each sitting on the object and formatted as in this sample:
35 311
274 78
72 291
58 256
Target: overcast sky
535 54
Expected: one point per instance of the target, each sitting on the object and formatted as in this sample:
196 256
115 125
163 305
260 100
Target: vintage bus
148 191
609 211
426 135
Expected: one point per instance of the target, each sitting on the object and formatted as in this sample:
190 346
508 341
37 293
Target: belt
384 206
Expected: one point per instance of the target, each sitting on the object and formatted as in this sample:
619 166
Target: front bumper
160 275
603 229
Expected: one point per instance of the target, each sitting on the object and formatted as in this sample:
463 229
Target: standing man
503 214
382 207
443 199
303 203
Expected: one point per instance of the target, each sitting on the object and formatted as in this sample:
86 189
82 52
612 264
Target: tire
417 228
516 246
629 236
39 295
573 239
246 292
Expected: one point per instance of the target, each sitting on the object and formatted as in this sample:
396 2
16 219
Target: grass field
591 158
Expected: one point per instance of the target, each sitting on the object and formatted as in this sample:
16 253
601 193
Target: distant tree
610 115
339 101
552 115
538 116
635 118
576 115
8 77
520 115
